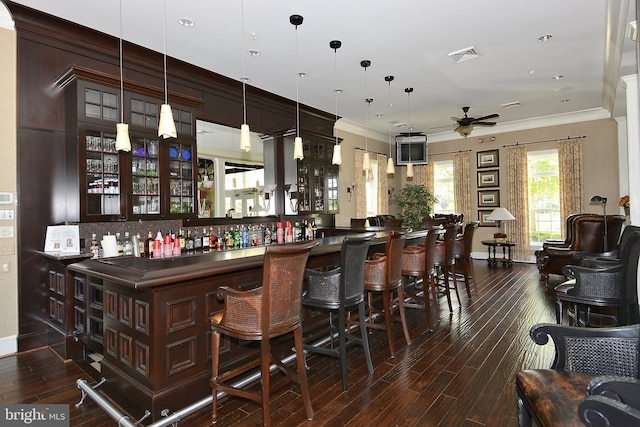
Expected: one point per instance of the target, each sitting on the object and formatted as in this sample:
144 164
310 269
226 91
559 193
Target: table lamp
499 215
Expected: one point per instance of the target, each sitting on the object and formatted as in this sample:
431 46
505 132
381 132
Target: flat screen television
411 149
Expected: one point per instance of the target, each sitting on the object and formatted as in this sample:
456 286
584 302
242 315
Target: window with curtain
545 219
443 186
371 186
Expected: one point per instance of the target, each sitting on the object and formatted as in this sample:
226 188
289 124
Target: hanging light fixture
408 90
335 45
298 152
366 161
367 158
123 143
167 127
245 134
391 169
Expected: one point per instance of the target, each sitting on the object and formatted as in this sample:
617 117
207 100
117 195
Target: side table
506 252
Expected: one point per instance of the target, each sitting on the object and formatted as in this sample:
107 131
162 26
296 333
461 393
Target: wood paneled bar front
156 320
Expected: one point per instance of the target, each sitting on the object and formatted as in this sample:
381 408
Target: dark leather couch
587 236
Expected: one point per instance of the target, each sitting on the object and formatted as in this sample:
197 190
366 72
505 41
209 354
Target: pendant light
335 45
391 169
367 158
123 143
408 90
298 152
245 134
167 127
366 161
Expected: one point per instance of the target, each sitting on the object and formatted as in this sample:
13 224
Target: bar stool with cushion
462 253
270 311
444 261
417 262
338 291
383 273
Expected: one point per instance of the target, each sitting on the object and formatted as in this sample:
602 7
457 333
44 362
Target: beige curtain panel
570 168
461 186
383 185
360 191
518 201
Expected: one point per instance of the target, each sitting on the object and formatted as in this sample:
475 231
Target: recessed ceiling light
338 90
187 22
245 79
253 53
302 74
565 100
557 77
545 38
532 72
379 115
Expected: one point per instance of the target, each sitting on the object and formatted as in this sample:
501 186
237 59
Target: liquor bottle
189 243
206 240
139 244
288 232
244 237
95 246
119 243
148 245
127 245
228 238
197 241
213 239
182 239
279 234
303 230
157 246
267 236
237 238
314 229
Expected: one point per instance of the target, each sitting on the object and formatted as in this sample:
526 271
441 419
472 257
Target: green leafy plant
415 203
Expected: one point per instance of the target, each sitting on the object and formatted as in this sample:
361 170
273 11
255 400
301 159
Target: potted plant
415 203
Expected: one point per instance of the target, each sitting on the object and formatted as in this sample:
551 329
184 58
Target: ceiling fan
466 123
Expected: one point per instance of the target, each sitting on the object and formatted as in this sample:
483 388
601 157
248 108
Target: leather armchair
557 243
612 401
587 236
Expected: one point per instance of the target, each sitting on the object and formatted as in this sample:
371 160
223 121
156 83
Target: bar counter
150 318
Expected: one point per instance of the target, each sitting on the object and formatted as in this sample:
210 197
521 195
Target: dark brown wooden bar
154 331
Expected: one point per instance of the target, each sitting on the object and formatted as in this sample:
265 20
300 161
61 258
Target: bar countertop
143 272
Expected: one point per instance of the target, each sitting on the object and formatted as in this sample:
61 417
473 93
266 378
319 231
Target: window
371 185
443 186
544 196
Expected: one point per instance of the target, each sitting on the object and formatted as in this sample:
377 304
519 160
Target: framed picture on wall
482 218
488 198
488 178
488 159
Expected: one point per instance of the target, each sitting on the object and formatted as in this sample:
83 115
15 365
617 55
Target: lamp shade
391 169
245 138
123 143
500 214
298 154
410 170
167 127
337 155
366 162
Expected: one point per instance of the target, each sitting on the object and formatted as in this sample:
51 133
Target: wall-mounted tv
411 149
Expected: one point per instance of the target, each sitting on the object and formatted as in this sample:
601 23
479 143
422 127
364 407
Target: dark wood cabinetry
317 177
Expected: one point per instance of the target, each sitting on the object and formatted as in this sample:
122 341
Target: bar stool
417 262
338 291
462 252
383 273
444 260
260 314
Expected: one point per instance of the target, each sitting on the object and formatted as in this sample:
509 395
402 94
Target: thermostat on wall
6 198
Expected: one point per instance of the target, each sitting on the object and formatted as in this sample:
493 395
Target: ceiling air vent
510 104
464 54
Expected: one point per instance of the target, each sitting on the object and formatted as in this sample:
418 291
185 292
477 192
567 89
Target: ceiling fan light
464 130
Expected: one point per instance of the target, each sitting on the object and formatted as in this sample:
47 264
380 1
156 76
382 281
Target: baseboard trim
8 345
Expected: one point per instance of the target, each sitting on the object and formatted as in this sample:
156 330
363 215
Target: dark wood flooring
459 374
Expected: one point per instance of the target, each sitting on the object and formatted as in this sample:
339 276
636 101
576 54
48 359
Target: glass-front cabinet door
317 178
181 183
145 176
102 184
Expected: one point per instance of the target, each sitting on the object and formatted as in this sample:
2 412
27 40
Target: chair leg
386 302
265 377
342 346
467 275
455 283
215 358
559 312
524 418
364 338
445 283
434 294
427 302
403 319
302 373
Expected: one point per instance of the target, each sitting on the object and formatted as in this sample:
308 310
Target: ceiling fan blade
484 123
455 119
490 116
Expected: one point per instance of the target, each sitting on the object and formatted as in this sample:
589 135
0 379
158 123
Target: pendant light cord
164 43
297 88
335 84
244 78
121 73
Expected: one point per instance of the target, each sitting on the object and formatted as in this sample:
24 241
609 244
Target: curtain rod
545 140
449 152
371 151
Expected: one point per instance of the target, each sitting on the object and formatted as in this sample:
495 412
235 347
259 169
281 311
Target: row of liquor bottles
192 241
